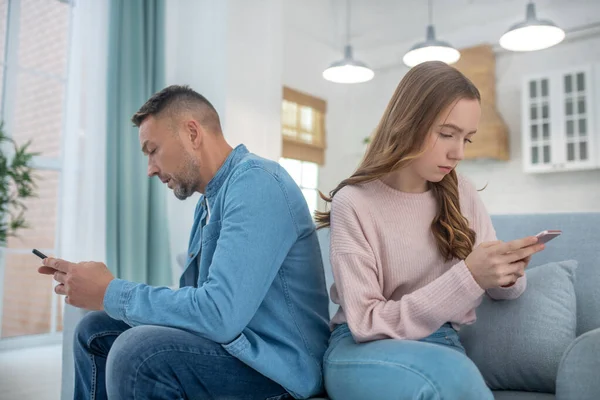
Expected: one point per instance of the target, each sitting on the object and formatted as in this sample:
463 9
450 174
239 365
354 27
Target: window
303 127
33 67
306 176
303 141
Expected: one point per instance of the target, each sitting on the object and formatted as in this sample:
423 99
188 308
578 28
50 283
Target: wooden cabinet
491 141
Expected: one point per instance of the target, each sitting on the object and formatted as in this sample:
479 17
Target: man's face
167 156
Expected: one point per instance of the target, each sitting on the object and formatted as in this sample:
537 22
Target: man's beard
182 191
187 182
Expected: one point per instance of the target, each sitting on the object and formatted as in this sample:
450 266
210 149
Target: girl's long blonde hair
421 96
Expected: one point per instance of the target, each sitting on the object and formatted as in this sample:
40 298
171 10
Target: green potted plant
16 184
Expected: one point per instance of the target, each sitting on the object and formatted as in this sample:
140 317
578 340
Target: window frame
295 147
11 69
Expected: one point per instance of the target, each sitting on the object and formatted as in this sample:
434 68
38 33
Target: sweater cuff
508 293
116 298
466 281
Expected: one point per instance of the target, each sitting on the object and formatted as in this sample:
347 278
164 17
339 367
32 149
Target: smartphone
548 235
39 254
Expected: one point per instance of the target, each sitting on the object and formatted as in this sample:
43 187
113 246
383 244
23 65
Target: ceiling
381 27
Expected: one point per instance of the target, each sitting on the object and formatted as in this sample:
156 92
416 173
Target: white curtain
83 214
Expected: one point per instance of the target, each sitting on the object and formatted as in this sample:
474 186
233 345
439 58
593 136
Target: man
250 319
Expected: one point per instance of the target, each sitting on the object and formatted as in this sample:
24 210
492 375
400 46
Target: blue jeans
433 368
115 361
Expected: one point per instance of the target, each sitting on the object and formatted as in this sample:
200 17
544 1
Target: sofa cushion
578 370
503 395
510 395
579 241
518 344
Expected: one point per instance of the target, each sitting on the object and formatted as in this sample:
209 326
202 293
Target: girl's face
451 132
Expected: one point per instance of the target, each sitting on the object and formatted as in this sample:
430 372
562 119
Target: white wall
253 77
354 110
231 52
349 114
190 60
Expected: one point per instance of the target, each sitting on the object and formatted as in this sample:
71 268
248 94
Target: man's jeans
155 362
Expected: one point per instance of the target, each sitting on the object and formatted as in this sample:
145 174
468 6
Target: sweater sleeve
358 284
482 224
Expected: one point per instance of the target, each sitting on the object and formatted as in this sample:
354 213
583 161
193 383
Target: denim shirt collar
231 161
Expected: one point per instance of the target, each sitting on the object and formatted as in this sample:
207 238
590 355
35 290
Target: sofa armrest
577 376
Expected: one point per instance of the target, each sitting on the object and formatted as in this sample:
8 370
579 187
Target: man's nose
152 170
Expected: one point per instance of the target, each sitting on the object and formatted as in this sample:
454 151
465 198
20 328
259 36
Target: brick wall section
38 116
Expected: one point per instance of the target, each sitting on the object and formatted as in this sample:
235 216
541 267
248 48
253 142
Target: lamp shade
532 34
348 70
431 50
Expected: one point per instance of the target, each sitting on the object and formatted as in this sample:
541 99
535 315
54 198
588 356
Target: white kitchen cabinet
559 128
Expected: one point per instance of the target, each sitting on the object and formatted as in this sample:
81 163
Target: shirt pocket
211 232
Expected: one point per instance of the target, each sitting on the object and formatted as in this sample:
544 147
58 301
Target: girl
413 250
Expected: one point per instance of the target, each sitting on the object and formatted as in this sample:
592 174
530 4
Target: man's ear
195 133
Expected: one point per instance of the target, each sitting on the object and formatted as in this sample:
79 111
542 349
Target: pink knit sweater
390 279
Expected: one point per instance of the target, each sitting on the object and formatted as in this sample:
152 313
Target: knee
123 361
91 324
127 347
442 374
134 348
458 377
137 351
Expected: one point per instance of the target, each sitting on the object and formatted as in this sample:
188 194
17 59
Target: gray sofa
577 376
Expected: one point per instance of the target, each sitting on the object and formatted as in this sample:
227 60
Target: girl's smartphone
548 235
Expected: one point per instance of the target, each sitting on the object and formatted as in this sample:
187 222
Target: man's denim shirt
253 281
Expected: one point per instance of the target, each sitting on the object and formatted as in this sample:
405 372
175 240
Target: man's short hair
175 99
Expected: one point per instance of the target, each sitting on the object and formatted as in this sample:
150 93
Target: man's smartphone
39 254
548 235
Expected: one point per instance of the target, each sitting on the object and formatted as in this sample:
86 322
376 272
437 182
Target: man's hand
84 284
